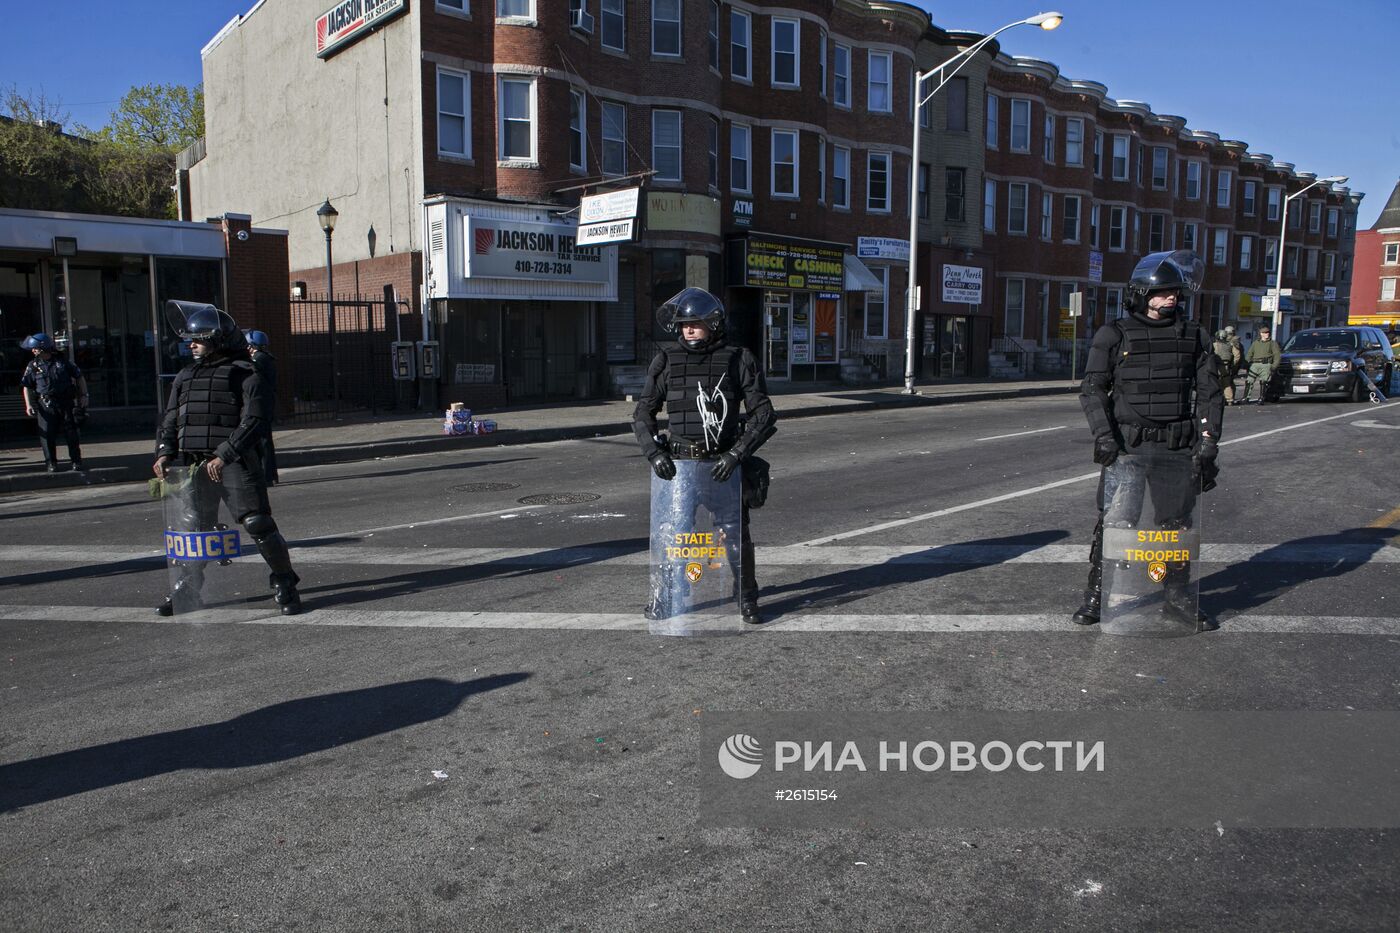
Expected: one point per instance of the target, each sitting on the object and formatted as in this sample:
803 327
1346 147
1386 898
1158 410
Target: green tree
41 167
166 117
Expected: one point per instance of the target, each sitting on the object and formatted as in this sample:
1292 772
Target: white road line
998 437
801 624
427 521
897 523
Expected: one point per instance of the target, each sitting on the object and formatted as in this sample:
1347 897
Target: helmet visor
1191 267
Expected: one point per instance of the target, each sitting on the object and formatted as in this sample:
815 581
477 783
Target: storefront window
20 317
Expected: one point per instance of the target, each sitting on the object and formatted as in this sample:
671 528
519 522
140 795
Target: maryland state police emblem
1157 571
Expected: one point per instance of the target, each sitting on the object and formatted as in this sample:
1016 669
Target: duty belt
682 449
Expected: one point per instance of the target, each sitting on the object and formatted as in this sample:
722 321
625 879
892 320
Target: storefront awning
859 278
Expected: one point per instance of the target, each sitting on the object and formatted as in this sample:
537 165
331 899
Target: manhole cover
482 487
559 498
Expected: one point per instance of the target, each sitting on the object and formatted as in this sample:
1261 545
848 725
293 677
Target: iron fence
342 364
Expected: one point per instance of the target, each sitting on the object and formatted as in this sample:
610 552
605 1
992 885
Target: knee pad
260 525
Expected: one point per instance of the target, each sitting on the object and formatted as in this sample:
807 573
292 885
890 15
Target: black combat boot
1180 604
284 586
748 610
1088 614
183 597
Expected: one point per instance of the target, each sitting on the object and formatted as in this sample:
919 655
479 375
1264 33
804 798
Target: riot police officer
1151 386
214 421
701 381
266 365
56 396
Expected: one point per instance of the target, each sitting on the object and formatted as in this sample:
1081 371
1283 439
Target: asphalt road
472 730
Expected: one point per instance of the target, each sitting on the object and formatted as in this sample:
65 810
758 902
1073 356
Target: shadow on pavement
416 471
274 733
1250 584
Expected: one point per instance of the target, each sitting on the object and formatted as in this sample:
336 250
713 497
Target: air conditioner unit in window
581 20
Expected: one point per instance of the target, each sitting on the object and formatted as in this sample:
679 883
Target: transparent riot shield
1151 546
696 552
213 567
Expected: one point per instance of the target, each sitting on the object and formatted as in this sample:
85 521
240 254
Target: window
1193 181
1274 198
786 66
877 304
926 111
1312 264
712 35
666 144
1392 253
1295 213
1074 141
1332 216
992 123
955 194
1246 252
1112 304
1223 182
821 171
1049 147
454 113
1120 158
740 55
517 108
1117 229
1094 226
1098 154
739 157
1315 217
821 62
514 8
1015 307
877 182
614 25
955 96
1188 236
923 190
1247 198
1220 250
1156 232
578 121
614 138
1016 208
1020 125
1290 261
878 92
785 163
841 76
1388 289
666 27
1270 260
840 177
1047 212
1329 267
458 5
1159 168
1069 225
989 206
714 153
1137 230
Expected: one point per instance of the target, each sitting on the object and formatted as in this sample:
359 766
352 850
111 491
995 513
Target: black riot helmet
695 306
1178 271
194 320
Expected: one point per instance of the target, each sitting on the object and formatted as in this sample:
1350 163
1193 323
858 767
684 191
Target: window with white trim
1117 229
614 24
515 9
516 104
877 305
454 113
1094 226
1020 125
1273 199
955 98
841 75
1112 304
878 97
1137 230
1193 180
740 50
840 177
1015 318
1120 158
1074 141
1047 214
955 194
1140 150
923 190
1290 262
784 177
1159 168
1224 181
712 35
666 27
1270 261
989 206
1314 216
1312 264
1329 267
578 123
614 138
1048 149
1388 289
1156 232
1188 236
877 182
1249 198
713 153
1098 154
666 144
1246 252
1295 212
1016 196
1392 254
739 139
1220 248
821 62
786 64
459 6
1332 218
992 121
1069 224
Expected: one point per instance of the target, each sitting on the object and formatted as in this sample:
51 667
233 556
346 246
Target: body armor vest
1155 372
211 403
708 377
53 379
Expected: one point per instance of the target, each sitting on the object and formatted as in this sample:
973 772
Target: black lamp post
326 215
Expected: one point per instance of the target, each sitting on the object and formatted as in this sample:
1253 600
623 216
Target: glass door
777 332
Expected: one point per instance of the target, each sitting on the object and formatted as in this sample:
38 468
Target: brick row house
1375 296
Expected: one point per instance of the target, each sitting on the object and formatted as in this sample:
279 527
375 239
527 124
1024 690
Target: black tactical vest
53 379
688 375
211 404
1155 371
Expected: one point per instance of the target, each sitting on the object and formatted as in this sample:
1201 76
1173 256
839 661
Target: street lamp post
1282 236
326 215
1046 21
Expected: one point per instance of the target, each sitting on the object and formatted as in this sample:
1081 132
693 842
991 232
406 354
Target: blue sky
1301 81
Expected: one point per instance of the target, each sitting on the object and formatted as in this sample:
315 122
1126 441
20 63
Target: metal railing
356 352
1017 355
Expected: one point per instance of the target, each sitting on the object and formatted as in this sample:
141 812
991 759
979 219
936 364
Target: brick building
1375 290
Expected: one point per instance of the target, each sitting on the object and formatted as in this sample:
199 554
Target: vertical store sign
350 19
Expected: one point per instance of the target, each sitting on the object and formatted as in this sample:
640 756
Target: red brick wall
257 293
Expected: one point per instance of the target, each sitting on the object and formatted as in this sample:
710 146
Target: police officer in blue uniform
56 394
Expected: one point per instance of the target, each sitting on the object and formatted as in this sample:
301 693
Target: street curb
137 468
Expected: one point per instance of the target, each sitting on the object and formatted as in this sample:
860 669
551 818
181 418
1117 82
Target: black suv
1325 361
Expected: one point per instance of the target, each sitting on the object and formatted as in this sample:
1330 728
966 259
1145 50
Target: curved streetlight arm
1282 237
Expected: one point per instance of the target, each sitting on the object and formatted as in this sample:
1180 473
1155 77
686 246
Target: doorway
547 349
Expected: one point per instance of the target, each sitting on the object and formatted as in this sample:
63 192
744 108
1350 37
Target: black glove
724 466
1106 450
1203 463
662 465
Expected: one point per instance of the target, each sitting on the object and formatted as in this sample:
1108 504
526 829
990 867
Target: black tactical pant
1172 502
242 489
54 416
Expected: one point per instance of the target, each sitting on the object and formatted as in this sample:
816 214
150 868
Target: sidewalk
128 458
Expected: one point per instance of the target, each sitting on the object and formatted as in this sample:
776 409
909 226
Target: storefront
518 307
954 323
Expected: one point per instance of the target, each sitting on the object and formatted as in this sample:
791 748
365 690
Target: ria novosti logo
740 756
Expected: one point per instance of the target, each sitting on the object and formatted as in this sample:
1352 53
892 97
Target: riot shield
696 552
1374 392
1151 546
213 568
